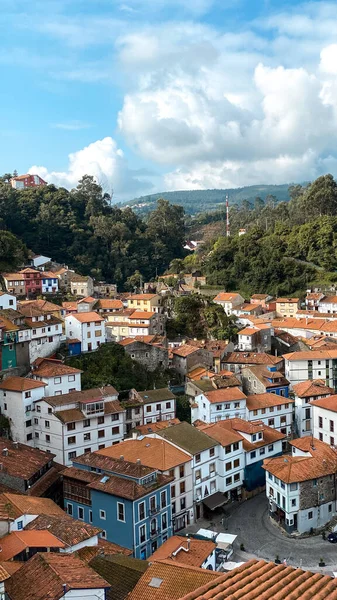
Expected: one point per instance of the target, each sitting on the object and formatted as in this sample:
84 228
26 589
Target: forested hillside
83 230
287 245
198 201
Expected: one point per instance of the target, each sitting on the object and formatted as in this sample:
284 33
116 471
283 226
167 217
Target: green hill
196 201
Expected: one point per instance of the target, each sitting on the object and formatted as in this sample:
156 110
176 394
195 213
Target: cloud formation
106 162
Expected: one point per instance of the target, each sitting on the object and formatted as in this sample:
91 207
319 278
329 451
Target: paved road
262 538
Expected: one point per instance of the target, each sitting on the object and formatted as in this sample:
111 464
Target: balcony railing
154 510
154 533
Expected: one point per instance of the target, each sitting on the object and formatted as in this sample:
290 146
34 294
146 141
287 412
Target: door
198 511
89 347
295 522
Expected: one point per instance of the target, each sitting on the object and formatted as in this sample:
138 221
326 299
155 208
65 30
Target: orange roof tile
49 367
89 552
252 358
184 551
329 403
286 300
13 506
309 388
173 581
20 384
311 355
13 276
270 435
248 331
157 426
260 580
88 300
219 433
52 570
256 401
87 317
152 452
184 350
68 530
226 296
107 304
141 296
320 461
21 460
14 543
142 314
225 395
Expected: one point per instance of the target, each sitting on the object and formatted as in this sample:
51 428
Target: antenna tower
228 233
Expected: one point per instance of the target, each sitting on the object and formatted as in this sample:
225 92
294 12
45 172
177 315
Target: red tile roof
141 296
48 572
153 452
184 350
85 396
13 506
309 388
70 531
226 296
188 552
103 546
256 401
20 384
142 314
87 317
225 395
21 460
311 355
49 367
252 358
329 403
270 435
16 542
260 580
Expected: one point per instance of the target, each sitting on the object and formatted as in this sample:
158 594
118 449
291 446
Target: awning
215 501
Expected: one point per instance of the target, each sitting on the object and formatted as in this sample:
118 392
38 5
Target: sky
151 96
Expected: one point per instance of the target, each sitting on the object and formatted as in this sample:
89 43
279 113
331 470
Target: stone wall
314 495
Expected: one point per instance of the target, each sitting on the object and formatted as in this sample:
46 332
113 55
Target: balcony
154 533
155 510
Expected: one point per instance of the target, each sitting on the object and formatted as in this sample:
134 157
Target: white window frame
121 504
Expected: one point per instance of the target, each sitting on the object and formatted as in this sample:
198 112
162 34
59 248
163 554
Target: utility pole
228 233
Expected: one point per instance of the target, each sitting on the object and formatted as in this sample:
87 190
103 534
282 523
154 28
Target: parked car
332 537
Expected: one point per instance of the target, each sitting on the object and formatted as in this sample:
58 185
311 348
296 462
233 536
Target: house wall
182 501
7 301
211 412
85 594
297 371
62 384
87 333
231 464
17 406
159 411
148 355
324 424
278 417
205 477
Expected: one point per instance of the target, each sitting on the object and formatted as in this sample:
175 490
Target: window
102 514
28 423
182 487
228 449
271 422
212 452
142 534
57 379
86 437
164 521
70 509
50 410
228 481
173 491
253 454
219 407
262 451
72 440
197 458
168 404
29 437
182 503
80 513
103 534
71 455
120 511
37 435
100 420
163 499
115 430
47 424
71 377
101 446
212 469
198 475
314 483
228 466
332 441
182 471
227 406
115 417
270 447
86 423
28 394
101 433
320 422
236 446
141 512
263 411
331 426
320 437
71 426
293 487
310 514
148 408
330 507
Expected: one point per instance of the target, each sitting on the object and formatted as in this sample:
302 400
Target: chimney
1 466
138 461
121 457
5 452
16 445
64 588
188 543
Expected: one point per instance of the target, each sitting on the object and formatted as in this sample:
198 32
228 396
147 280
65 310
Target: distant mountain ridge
196 201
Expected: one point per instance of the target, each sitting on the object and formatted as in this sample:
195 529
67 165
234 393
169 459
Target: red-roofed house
185 357
58 377
17 397
255 338
88 328
305 392
228 300
20 182
324 419
217 404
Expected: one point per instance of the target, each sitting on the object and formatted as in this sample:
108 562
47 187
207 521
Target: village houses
87 328
304 393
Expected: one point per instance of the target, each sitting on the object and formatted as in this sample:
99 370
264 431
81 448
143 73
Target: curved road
251 523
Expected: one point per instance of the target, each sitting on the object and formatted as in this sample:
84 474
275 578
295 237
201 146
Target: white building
17 397
167 459
273 410
38 261
301 487
88 328
305 392
215 405
324 419
255 338
45 335
147 407
132 323
314 364
7 301
327 304
79 422
58 377
204 452
228 300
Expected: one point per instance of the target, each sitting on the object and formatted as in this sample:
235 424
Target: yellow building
286 307
145 302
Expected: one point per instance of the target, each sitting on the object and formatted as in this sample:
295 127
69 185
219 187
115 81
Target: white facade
7 301
327 305
18 407
45 336
87 432
231 465
85 594
209 412
159 411
324 422
229 304
60 384
50 285
278 417
91 332
182 495
205 474
299 369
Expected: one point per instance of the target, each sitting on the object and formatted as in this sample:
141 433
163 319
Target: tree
13 252
166 233
320 198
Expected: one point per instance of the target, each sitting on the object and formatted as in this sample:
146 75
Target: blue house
264 379
130 502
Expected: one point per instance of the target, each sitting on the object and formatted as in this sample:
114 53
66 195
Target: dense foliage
81 228
195 316
111 365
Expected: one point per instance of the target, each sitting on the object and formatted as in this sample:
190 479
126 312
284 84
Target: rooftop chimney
5 452
121 457
138 461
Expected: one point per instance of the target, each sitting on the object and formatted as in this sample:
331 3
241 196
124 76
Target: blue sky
169 94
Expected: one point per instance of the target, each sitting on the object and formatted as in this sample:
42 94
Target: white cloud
106 162
71 125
